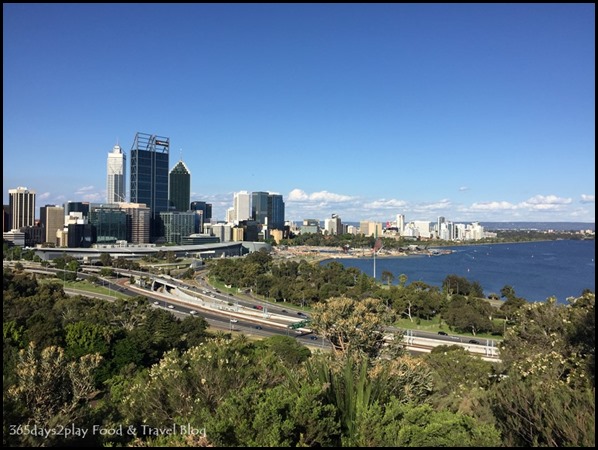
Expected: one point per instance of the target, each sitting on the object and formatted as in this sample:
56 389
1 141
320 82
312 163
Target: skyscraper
22 207
52 218
179 187
149 177
116 175
241 206
203 214
275 212
259 207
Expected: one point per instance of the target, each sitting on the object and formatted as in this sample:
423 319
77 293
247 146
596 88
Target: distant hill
541 226
557 226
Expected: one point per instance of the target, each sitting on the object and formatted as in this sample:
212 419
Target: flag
377 245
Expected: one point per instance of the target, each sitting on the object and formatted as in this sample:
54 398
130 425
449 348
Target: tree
106 259
53 391
468 315
352 325
83 338
545 393
387 277
402 280
291 352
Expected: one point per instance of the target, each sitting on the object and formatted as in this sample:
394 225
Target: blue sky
474 112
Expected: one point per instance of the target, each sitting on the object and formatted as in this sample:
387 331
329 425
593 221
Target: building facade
177 225
149 177
275 212
116 175
53 220
241 207
179 187
259 207
22 207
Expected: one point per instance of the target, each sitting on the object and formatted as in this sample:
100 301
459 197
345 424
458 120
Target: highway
228 312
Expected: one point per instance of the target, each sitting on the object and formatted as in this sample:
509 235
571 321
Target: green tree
468 315
291 352
352 325
53 391
387 277
545 394
84 338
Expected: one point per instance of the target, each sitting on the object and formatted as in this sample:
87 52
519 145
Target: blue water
535 270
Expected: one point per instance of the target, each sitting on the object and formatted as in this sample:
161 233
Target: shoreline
322 253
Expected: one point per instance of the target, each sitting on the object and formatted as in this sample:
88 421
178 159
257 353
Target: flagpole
375 239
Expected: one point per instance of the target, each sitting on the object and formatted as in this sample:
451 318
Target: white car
192 312
171 307
156 303
234 320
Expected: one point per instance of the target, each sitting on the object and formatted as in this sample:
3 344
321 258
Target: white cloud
43 196
299 195
386 204
84 189
93 197
587 198
435 206
492 206
463 188
545 203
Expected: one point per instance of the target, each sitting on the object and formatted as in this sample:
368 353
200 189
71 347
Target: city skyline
471 112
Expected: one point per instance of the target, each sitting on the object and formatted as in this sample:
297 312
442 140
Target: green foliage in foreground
84 363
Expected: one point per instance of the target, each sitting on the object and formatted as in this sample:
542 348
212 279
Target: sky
473 112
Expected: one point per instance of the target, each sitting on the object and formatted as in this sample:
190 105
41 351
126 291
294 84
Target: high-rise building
203 214
333 225
178 225
109 223
76 207
259 207
241 206
52 218
179 187
116 175
22 207
149 177
138 222
275 212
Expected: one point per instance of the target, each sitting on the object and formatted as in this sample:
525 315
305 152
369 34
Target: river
535 270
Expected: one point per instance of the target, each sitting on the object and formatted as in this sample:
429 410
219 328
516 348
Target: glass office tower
149 177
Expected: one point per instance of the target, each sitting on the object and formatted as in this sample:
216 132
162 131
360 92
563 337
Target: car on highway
442 333
313 338
473 341
192 312
234 320
156 303
258 327
284 311
171 307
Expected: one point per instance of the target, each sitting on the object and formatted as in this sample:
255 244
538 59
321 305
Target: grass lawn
435 325
84 285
